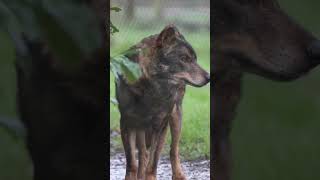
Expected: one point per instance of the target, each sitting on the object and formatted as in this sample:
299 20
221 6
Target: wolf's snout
204 80
314 51
207 77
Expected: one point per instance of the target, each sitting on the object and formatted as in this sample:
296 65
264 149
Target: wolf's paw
151 177
131 176
179 177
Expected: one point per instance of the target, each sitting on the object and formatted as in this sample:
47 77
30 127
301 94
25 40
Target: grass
195 142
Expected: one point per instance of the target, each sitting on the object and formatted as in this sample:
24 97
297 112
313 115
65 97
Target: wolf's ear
167 36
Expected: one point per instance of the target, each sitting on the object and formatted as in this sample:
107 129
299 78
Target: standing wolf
253 36
147 107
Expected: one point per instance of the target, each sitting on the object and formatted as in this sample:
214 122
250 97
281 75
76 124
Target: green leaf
78 21
61 24
116 9
5 16
131 70
115 68
13 126
10 25
23 14
121 65
114 101
113 29
59 41
131 52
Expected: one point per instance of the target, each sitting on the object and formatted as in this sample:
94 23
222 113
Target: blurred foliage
63 26
59 23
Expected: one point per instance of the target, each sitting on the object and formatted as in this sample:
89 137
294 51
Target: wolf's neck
165 83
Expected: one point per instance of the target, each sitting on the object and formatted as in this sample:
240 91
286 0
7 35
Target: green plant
121 64
113 28
60 23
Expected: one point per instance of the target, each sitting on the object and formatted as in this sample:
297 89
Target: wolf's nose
314 51
207 76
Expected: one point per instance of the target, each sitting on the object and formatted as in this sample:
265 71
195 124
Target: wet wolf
151 104
253 36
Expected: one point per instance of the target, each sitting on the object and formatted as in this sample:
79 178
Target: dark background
277 129
14 161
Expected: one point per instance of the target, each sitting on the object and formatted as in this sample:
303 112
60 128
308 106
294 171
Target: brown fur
152 103
253 36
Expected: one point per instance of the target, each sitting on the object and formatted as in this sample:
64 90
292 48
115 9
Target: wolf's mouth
193 84
272 71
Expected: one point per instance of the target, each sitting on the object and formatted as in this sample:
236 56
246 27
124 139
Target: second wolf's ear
167 36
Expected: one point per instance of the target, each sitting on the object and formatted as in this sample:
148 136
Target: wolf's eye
185 59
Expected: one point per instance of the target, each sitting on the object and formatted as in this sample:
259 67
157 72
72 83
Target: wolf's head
175 59
257 36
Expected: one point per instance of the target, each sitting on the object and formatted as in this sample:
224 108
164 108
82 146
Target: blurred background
142 18
14 160
38 21
277 129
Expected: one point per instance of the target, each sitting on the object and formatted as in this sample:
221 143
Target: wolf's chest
152 109
148 104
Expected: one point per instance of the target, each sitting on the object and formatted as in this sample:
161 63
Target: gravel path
194 170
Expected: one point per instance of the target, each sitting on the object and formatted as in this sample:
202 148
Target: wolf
151 104
251 36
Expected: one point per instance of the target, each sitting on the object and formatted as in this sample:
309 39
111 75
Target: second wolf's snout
314 52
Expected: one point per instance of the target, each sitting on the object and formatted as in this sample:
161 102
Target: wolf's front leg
129 143
143 154
157 142
175 127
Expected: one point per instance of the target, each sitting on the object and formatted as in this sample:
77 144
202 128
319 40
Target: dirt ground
194 170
